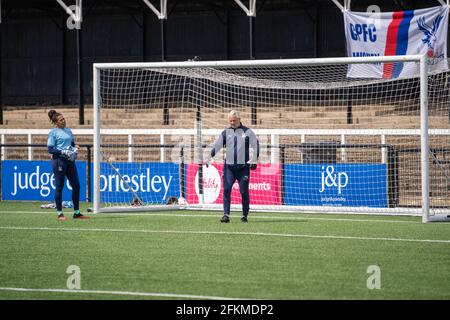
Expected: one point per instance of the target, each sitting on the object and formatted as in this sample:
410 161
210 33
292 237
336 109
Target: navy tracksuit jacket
237 163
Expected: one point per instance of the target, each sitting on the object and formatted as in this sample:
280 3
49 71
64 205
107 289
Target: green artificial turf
190 254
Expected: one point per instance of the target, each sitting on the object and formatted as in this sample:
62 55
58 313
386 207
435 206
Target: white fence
274 135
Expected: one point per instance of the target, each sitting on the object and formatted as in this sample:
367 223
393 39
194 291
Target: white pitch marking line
122 293
217 215
261 217
287 235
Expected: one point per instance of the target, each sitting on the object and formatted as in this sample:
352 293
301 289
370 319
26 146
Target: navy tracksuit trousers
231 173
64 168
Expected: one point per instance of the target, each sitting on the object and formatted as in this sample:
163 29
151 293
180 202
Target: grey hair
234 113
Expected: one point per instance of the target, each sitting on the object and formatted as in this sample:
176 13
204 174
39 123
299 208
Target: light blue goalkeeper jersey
60 139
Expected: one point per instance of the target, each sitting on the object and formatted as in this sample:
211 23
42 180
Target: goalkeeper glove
65 153
71 153
73 156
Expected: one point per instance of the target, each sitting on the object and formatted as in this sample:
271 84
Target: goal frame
424 211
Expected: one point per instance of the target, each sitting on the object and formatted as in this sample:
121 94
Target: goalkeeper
236 139
62 147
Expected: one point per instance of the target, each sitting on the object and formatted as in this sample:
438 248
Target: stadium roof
218 4
163 8
53 9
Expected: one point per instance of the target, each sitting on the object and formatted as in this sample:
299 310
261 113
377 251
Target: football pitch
191 255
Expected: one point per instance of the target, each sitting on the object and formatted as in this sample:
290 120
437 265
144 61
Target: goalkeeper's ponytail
53 115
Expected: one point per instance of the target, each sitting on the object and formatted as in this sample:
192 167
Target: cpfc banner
264 187
414 32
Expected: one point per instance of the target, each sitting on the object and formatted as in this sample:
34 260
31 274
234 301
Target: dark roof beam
162 12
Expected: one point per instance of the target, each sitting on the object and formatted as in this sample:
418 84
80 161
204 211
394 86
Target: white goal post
300 169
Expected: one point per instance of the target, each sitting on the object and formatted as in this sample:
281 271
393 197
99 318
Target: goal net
333 137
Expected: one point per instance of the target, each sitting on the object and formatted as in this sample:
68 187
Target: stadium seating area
285 117
363 117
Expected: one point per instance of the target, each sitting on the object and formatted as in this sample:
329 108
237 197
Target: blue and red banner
411 32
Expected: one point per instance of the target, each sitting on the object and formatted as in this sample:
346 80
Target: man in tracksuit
236 139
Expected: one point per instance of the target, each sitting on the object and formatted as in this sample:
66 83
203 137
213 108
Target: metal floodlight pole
251 13
252 36
162 16
76 16
163 40
79 19
80 73
163 30
1 82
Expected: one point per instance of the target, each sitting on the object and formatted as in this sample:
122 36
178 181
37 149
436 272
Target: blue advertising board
154 182
34 180
347 185
304 184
